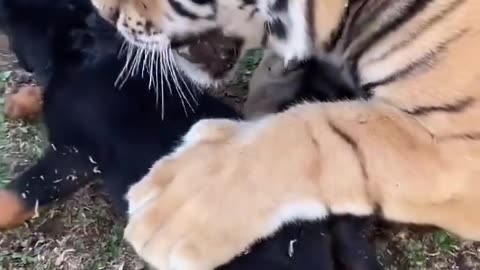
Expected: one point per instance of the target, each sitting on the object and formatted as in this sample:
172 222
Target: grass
19 142
84 233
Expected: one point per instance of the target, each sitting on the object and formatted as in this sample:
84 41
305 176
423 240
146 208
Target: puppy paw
25 104
13 211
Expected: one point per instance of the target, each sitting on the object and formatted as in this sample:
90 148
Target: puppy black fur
99 131
42 31
96 129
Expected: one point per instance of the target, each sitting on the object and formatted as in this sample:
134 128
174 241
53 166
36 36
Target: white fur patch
298 45
198 130
301 210
240 22
193 136
134 206
352 209
199 10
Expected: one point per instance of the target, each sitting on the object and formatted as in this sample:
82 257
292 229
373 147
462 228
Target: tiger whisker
176 72
154 70
164 69
187 86
151 81
123 76
158 64
182 96
170 74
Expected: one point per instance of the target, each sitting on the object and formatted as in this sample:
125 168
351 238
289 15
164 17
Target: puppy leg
58 174
312 249
351 247
25 104
303 245
271 86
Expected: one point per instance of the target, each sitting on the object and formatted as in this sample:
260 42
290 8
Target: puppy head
48 34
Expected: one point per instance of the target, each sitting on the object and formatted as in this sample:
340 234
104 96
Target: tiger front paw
209 130
178 237
204 204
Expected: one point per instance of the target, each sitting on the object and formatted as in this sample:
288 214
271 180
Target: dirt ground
85 234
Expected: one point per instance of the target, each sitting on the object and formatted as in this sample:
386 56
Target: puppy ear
81 39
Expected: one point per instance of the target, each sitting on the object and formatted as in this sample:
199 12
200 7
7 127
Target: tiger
412 146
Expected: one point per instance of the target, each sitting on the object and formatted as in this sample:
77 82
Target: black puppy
97 130
40 31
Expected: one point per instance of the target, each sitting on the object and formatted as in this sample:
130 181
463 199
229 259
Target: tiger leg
58 174
412 175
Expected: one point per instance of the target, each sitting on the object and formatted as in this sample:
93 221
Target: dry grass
84 233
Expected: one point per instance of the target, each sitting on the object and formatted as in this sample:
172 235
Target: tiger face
205 38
